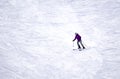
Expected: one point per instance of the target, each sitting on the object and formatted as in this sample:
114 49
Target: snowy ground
36 39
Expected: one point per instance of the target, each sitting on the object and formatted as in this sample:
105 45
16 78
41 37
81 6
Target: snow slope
36 39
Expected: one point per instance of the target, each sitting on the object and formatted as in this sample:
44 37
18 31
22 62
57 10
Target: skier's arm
75 38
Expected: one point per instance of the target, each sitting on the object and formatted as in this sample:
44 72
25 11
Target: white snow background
36 39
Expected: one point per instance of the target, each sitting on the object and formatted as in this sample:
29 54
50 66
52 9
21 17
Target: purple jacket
78 37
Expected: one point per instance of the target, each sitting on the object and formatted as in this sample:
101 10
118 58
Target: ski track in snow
36 40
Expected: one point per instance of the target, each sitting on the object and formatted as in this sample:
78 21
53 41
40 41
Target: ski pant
81 44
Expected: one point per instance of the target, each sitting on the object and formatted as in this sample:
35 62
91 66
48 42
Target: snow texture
36 39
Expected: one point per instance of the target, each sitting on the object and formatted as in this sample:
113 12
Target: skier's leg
82 44
78 45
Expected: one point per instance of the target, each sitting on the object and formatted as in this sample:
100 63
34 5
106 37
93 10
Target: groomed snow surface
36 39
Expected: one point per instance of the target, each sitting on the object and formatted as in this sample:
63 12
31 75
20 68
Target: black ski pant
80 42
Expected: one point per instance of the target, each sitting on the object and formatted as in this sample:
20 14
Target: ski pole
73 44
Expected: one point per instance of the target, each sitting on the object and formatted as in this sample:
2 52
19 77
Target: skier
78 37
